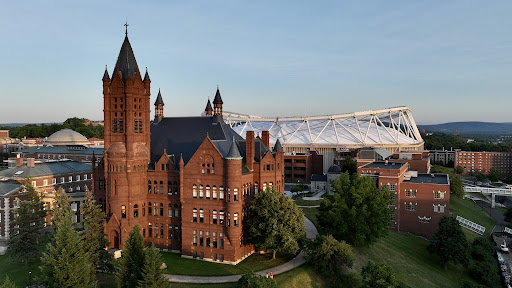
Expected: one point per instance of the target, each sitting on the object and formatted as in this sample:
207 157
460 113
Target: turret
159 107
217 104
208 111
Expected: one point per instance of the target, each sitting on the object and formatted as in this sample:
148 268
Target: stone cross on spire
126 25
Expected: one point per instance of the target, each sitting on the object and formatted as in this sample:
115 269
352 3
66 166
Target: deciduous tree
378 276
131 261
349 165
357 212
456 186
329 255
250 280
277 223
449 243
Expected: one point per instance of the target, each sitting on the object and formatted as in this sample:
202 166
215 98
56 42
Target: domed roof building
66 137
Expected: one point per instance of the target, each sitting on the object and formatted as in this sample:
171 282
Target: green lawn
311 214
256 262
468 209
17 271
301 202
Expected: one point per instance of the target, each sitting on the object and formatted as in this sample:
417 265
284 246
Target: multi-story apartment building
482 162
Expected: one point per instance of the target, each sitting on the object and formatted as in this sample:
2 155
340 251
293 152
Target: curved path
311 233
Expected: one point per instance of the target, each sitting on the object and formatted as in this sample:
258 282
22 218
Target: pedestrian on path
267 275
271 275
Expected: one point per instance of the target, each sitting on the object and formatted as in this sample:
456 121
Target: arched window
235 194
208 167
255 187
221 193
149 187
264 186
214 217
201 216
207 191
169 188
155 187
161 187
235 219
143 209
194 191
155 209
214 196
201 193
161 209
229 219
176 211
176 188
169 212
123 211
149 209
221 217
194 215
135 211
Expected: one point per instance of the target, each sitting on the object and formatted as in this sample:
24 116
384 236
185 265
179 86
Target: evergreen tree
7 283
132 260
93 235
61 208
152 274
277 223
28 223
449 243
65 263
357 212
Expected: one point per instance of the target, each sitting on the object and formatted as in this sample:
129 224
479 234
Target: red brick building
187 182
482 162
420 199
298 167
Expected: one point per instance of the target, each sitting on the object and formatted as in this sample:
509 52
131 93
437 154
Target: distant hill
23 124
471 128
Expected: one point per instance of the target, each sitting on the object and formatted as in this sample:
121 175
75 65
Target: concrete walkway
311 233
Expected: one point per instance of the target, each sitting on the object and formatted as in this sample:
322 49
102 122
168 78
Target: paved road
311 233
495 213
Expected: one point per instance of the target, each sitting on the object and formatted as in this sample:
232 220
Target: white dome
67 137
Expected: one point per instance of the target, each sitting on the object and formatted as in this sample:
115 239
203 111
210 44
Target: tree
485 272
298 188
329 255
61 208
277 223
349 165
152 275
8 283
481 177
250 280
357 212
494 174
456 186
449 243
378 276
459 170
482 248
65 263
93 235
28 224
132 260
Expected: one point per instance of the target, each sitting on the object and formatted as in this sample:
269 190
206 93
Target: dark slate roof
126 62
217 99
184 135
208 106
61 150
383 165
233 153
159 99
319 177
146 77
334 169
259 149
278 146
430 178
105 75
7 188
45 169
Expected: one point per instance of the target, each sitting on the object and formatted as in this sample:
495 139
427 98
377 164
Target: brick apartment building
194 195
482 162
298 167
420 199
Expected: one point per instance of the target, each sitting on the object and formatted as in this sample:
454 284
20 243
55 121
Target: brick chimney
265 137
249 149
31 162
19 160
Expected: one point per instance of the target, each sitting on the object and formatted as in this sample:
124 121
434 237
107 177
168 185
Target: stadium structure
393 129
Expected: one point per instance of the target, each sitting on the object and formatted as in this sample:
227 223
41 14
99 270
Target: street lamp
29 278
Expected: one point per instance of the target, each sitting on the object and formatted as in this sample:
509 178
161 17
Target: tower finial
126 25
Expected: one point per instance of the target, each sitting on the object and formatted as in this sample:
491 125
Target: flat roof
430 178
383 165
62 150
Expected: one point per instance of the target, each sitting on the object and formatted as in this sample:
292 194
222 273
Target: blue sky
446 60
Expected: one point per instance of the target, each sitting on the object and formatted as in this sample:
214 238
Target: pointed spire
146 77
217 99
181 159
233 153
159 100
126 63
105 75
208 108
278 146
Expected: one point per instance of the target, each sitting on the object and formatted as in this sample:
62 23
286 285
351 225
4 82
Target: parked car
504 247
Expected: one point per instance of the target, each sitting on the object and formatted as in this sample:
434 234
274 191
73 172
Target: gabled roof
45 169
7 188
184 135
217 99
208 106
159 100
126 62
